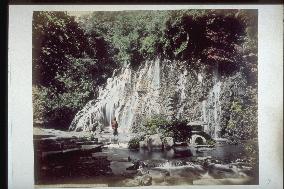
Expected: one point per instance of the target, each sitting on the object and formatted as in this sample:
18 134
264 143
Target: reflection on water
223 152
114 166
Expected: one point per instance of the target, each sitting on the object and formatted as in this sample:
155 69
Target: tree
133 36
56 36
68 65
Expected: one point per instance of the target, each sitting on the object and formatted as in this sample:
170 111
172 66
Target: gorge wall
174 89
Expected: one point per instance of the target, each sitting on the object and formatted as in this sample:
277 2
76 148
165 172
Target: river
116 165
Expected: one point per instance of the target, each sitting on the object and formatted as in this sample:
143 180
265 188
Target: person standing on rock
114 126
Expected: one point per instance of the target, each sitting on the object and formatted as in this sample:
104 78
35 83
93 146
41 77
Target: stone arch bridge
199 136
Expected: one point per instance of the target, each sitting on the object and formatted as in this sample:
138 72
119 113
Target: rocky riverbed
64 157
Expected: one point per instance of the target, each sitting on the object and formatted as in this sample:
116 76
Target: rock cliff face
170 88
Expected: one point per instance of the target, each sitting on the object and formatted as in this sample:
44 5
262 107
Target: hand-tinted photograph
145 97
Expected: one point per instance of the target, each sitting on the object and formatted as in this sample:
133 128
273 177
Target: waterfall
211 108
181 85
199 77
156 75
103 109
122 97
217 109
204 117
131 96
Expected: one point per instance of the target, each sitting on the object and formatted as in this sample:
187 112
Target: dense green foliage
243 116
251 150
68 65
134 35
207 35
55 36
158 124
134 142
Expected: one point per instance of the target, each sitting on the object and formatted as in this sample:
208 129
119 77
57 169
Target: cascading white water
103 109
156 76
217 109
204 117
181 86
132 95
211 108
122 98
200 77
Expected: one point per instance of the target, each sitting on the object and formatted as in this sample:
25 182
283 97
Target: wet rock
154 142
142 144
219 171
144 180
130 182
203 158
168 142
221 167
216 161
142 170
154 163
135 165
151 142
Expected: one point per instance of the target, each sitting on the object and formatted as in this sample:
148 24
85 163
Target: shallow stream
116 165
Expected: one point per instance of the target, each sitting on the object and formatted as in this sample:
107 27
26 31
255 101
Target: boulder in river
142 144
154 142
144 180
168 142
130 182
